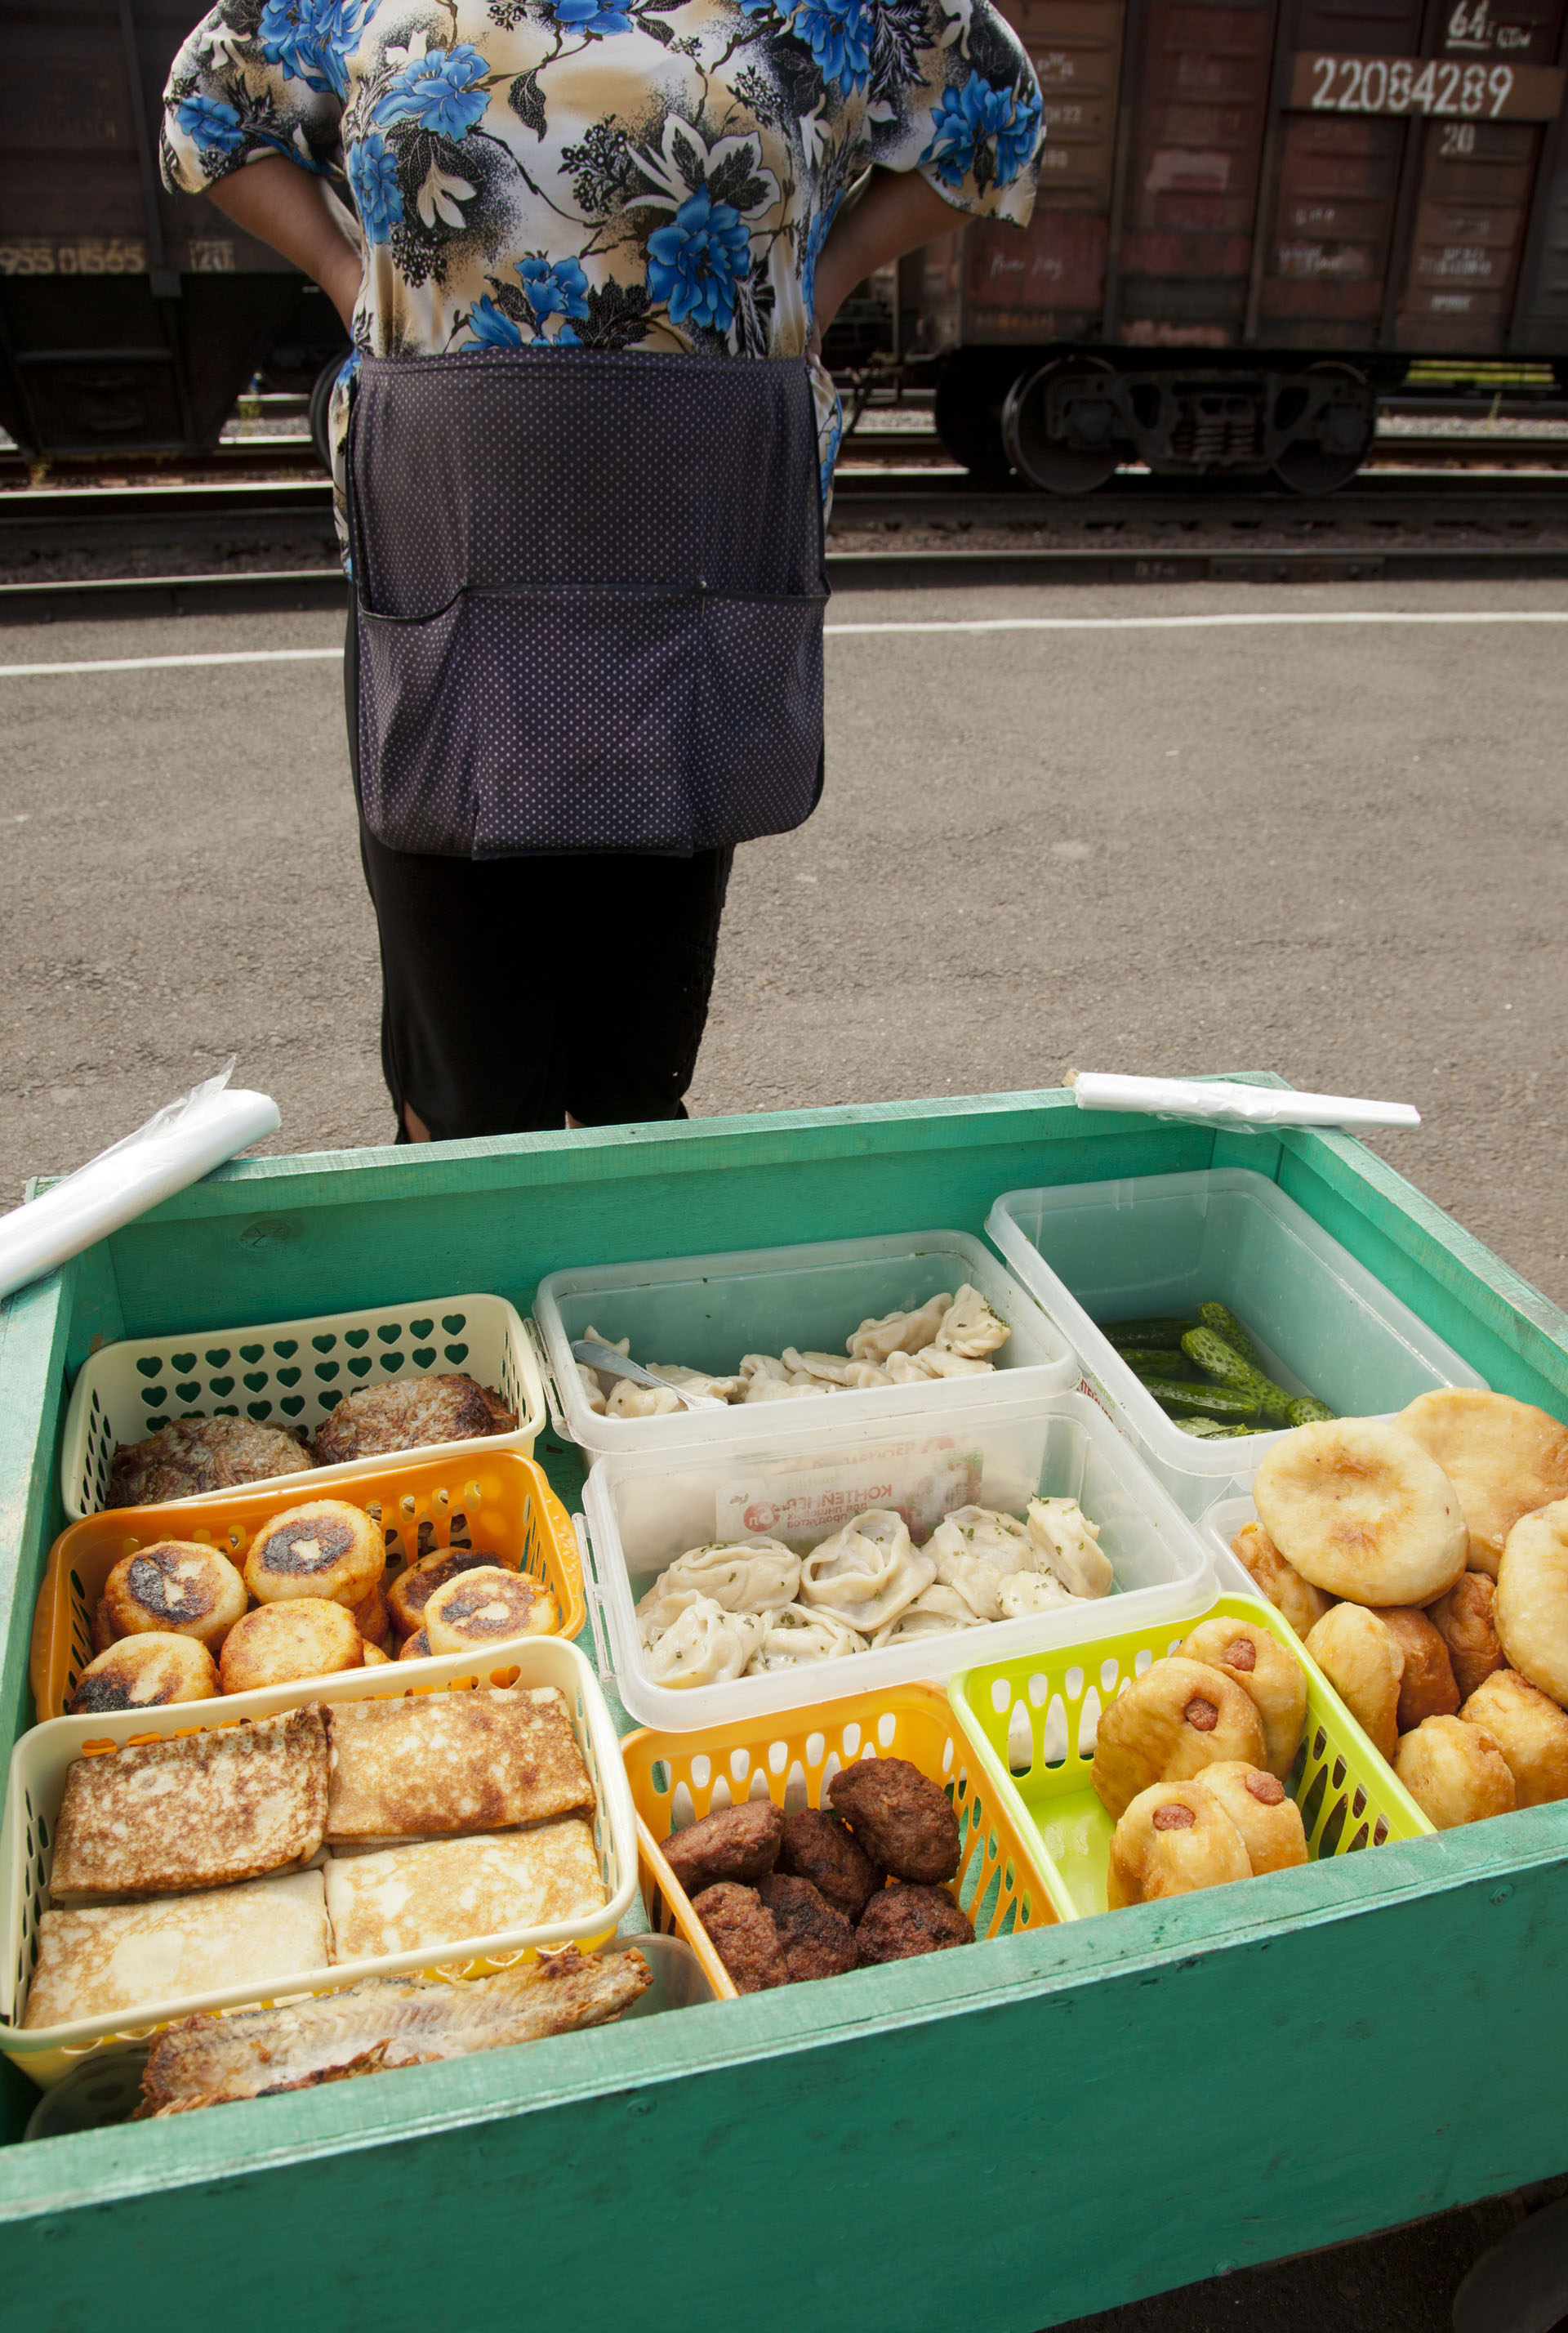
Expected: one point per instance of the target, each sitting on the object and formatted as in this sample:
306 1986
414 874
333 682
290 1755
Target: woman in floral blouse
662 179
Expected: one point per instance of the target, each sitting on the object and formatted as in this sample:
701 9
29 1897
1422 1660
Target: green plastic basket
1032 1721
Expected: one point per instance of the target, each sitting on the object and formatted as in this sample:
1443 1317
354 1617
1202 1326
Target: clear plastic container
1152 1243
706 1310
800 1483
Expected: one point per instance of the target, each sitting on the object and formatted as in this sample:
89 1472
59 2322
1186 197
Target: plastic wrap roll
177 1146
1235 1105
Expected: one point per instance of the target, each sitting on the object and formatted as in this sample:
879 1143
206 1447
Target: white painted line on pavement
936 624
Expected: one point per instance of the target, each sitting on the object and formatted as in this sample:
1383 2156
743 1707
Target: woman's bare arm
897 213
287 208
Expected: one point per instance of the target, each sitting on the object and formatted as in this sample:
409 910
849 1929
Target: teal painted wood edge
34 1331
1502 1325
1066 2116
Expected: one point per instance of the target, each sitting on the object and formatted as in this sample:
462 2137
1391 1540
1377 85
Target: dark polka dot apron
589 594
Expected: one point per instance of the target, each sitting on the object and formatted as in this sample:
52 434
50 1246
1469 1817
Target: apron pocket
758 767
518 722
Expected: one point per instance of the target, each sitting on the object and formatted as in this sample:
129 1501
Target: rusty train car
1251 218
130 319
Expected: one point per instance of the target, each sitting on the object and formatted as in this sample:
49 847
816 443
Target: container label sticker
922 1479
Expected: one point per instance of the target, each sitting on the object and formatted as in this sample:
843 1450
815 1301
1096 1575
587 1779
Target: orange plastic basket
498 1501
792 1757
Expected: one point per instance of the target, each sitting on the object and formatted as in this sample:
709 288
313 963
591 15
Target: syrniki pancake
1363 1510
176 1586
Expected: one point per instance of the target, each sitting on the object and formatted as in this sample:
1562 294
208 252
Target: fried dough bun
1275 1681
1531 1731
372 1619
1175 1720
302 1636
1302 1604
1171 1839
1268 1820
375 1659
325 1548
148 1671
1426 1686
176 1588
1503 1457
1364 1663
488 1607
1463 1619
416 1648
1531 1610
1363 1510
1455 1772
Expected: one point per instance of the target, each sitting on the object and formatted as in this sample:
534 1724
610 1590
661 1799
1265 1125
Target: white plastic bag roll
1235 1105
179 1144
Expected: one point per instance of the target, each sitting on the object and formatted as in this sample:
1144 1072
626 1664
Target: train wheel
1346 426
967 413
1054 463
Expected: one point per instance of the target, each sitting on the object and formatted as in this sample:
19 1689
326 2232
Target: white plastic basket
644 1510
1152 1243
37 1783
706 1310
293 1374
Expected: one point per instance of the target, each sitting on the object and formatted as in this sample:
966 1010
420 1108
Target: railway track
1418 521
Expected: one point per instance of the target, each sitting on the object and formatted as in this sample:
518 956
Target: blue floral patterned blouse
605 174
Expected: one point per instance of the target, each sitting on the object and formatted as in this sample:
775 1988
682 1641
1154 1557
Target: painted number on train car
1446 88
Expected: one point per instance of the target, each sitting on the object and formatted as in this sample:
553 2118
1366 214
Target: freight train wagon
1251 218
130 319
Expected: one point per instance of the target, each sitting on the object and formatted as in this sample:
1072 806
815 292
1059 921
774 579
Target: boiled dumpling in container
974 1549
660 1610
937 1361
797 1638
867 1573
629 1400
897 1332
706 1646
592 1391
970 1327
1066 1538
756 1575
761 1389
685 1380
1029 1592
936 1611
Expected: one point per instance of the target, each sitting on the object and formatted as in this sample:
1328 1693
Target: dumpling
796 1637
686 1380
763 1365
592 1391
660 1610
936 1611
897 1332
1029 1592
761 1389
937 1361
706 1646
904 1369
1066 1538
974 1549
867 1573
629 1400
759 1575
832 1368
970 1327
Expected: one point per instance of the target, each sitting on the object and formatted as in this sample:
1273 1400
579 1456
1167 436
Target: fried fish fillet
202 1811
381 2023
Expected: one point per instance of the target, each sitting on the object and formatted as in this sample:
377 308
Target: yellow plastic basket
1031 1723
40 1759
792 1757
498 1500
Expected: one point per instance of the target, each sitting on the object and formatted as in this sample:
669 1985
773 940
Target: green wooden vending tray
819 2154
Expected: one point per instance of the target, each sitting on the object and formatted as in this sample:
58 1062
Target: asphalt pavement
1332 851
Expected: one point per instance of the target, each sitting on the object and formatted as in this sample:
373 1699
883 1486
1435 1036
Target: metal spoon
617 1364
